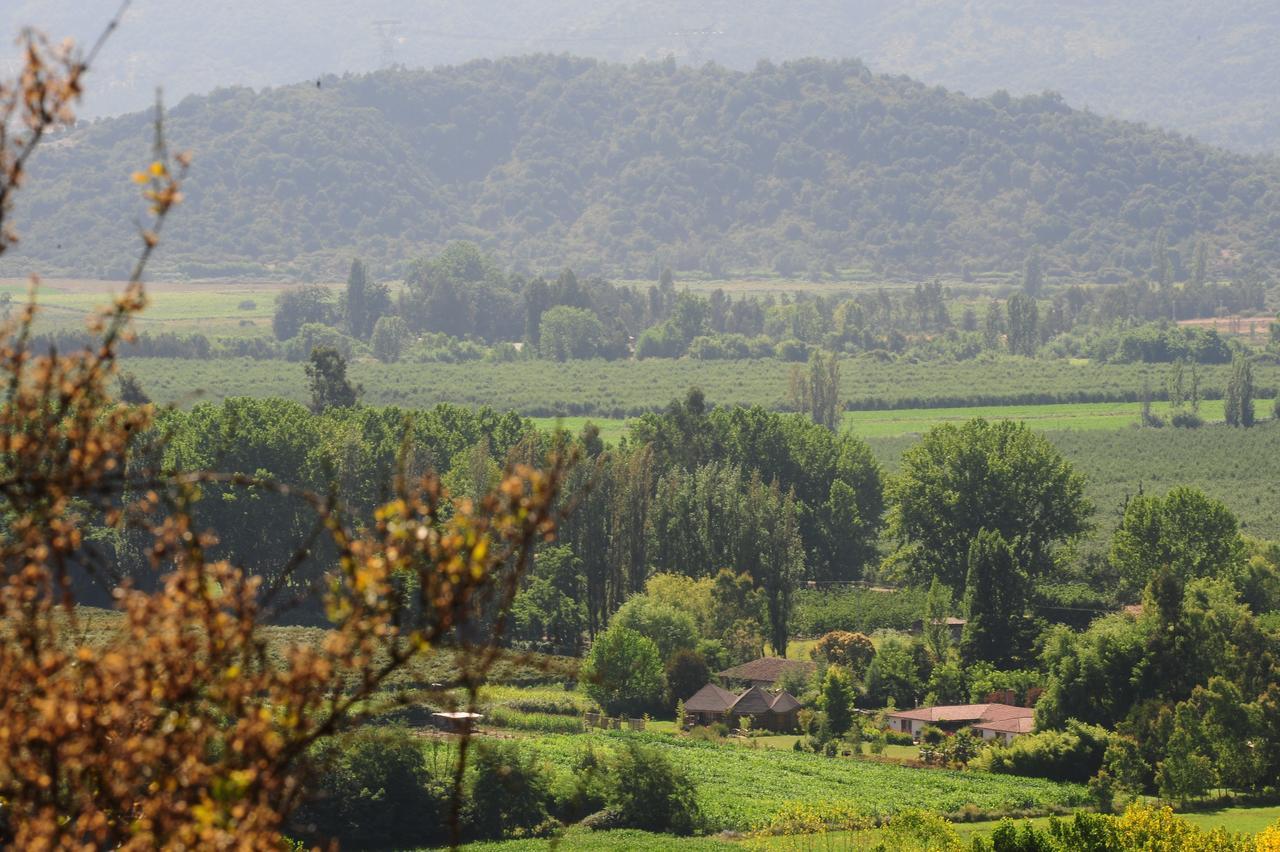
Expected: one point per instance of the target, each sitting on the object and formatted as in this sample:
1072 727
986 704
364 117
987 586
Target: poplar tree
357 300
995 600
1033 274
1238 402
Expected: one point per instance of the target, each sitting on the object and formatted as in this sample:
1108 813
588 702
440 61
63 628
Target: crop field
1085 416
1240 467
741 787
620 389
1241 820
221 308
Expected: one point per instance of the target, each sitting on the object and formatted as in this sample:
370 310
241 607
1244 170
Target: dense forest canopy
804 168
1203 69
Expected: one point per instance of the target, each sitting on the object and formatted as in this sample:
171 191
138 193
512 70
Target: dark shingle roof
784 702
754 700
710 699
767 669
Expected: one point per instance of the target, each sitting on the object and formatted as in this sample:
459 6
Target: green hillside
1205 69
804 167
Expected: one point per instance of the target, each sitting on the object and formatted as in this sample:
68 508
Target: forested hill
1208 69
551 160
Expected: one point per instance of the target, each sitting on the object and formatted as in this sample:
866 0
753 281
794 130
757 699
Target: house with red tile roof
952 717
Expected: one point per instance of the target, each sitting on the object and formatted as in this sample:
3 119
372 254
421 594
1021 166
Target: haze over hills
550 161
1205 69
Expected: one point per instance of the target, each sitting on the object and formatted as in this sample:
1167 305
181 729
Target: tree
837 701
327 373
995 602
390 334
1230 733
1238 401
893 677
670 629
816 391
1185 773
509 790
852 652
356 304
1200 270
778 554
551 605
1001 477
694 596
1033 274
567 333
373 786
1183 531
298 306
937 609
734 598
131 390
948 683
994 326
1024 320
623 672
648 792
687 672
537 299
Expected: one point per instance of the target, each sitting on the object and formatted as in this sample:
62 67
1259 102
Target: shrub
898 738
1075 754
646 791
584 792
371 789
510 794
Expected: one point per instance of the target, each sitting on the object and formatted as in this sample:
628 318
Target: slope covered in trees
803 167
1203 69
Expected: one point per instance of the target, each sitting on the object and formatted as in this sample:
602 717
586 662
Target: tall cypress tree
358 324
995 599
1033 274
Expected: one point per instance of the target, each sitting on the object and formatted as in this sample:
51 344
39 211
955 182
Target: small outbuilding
457 721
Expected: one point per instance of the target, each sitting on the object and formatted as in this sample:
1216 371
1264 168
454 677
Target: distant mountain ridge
1209 69
551 160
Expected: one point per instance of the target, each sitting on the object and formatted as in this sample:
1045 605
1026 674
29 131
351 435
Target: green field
741 787
620 389
1084 416
214 309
